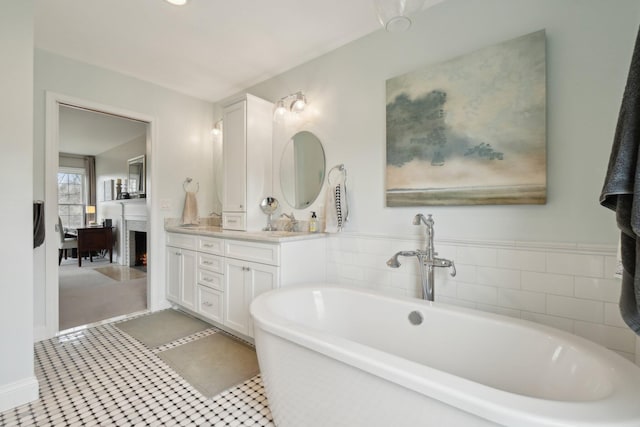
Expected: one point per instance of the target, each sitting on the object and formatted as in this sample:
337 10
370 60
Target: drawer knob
208 279
208 245
207 262
207 304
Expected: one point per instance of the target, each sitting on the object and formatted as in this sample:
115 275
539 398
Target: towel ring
341 170
188 181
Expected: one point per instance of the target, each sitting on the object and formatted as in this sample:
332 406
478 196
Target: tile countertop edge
256 236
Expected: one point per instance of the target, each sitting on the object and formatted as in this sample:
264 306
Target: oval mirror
302 169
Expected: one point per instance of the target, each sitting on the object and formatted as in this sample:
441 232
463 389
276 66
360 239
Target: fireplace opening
138 249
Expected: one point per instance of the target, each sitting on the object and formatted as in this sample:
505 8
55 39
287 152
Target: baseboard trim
18 393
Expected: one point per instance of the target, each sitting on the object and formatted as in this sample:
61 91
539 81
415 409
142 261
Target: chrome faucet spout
393 261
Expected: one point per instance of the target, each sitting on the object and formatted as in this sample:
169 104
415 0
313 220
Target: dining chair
65 243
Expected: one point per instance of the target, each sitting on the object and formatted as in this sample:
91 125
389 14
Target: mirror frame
141 176
324 170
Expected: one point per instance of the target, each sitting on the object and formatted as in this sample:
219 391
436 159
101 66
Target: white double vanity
215 272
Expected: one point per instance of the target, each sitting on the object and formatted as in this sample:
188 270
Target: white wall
17 381
182 147
589 44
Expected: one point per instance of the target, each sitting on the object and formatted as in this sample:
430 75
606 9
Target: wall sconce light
394 14
296 103
90 211
217 128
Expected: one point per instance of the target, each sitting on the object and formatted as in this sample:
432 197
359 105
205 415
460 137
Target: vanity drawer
210 279
263 253
184 241
211 262
211 303
234 221
211 245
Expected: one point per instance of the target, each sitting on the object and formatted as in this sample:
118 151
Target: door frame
52 145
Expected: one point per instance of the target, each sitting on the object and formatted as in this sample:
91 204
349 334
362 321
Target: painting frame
470 130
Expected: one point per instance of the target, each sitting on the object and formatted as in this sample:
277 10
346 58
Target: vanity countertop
256 236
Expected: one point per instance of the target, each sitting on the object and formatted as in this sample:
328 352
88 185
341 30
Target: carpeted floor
98 291
204 356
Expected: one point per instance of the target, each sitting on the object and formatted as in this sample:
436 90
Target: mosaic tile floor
102 377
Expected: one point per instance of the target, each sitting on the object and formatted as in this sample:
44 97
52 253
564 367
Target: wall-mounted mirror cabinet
302 169
136 184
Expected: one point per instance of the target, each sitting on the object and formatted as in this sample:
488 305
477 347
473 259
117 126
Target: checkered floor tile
102 377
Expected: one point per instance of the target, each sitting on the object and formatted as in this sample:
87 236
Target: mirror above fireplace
137 174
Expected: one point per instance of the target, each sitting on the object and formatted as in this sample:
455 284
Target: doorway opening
94 281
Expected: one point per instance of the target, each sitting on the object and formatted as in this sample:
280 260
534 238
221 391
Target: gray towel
38 224
621 191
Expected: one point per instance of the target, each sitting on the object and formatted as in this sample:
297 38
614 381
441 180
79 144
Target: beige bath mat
213 364
162 327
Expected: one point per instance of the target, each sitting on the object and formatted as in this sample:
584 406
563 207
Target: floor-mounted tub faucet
427 258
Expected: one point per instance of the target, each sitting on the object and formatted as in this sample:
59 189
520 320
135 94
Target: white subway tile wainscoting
565 286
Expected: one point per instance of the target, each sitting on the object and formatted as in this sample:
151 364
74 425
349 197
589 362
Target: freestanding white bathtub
333 356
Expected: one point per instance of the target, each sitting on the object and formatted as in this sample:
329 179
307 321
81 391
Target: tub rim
476 398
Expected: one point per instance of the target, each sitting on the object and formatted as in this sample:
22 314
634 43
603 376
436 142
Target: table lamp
90 211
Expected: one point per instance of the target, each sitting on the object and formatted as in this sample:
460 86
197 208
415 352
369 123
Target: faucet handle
452 269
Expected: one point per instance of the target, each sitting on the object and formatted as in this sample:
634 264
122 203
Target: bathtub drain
415 318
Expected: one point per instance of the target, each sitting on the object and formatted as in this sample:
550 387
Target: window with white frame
71 196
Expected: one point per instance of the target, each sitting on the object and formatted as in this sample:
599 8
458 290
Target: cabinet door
234 153
235 315
259 278
188 265
173 273
210 303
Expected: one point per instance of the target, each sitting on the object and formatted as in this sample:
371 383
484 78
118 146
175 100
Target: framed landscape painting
471 130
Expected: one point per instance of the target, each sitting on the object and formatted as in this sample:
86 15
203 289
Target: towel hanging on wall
336 207
38 223
621 192
190 211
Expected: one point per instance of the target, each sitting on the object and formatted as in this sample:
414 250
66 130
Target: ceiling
208 49
91 133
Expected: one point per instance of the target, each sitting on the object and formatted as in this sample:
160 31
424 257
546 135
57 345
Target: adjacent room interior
101 164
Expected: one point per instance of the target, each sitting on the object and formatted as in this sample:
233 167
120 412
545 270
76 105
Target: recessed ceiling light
177 2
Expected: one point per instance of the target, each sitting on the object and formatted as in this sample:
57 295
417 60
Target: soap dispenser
313 223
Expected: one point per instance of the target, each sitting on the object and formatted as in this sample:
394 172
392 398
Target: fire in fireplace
137 249
141 249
